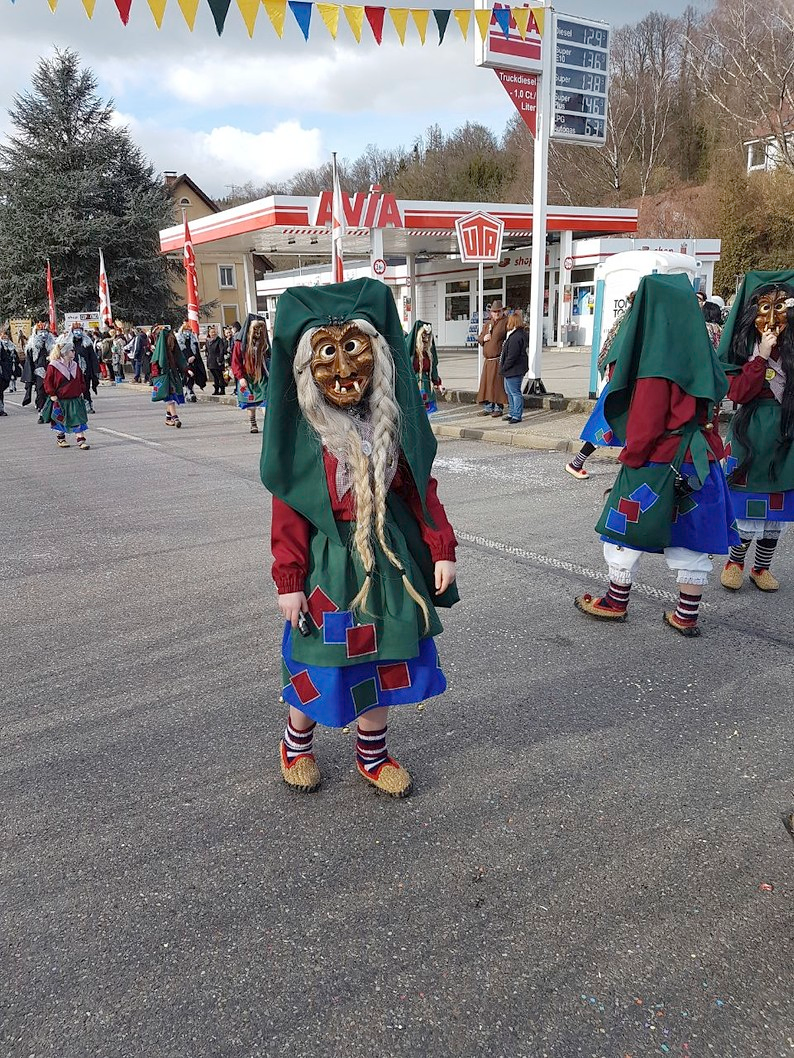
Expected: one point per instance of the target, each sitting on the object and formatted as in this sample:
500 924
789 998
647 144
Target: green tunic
169 382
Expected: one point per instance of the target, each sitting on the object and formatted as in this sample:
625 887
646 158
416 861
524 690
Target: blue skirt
766 506
336 696
597 430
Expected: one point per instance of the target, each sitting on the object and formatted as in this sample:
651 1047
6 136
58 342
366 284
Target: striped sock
617 597
687 610
738 554
371 748
764 553
578 460
297 741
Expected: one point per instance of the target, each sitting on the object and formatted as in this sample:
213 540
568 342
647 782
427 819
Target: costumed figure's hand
445 575
293 602
768 343
242 385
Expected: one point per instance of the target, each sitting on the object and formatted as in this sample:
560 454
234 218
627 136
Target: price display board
580 80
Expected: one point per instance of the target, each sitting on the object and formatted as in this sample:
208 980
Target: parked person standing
712 314
86 357
216 360
196 372
104 348
7 355
118 355
250 366
64 384
169 369
491 393
37 352
514 364
16 365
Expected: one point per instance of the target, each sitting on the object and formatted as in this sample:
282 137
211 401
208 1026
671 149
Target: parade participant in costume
169 368
37 353
596 432
361 543
88 362
7 357
250 365
492 391
670 495
421 347
757 351
64 385
196 373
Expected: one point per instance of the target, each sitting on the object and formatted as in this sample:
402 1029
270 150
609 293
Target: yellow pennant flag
276 10
463 19
355 19
420 17
399 16
53 4
249 9
329 13
89 6
157 8
521 15
539 14
483 19
189 9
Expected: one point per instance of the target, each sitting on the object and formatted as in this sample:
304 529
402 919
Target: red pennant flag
51 299
123 7
375 16
105 315
192 282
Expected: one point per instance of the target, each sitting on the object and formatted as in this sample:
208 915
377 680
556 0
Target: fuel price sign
580 80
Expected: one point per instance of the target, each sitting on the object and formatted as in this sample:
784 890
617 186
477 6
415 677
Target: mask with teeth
342 363
772 312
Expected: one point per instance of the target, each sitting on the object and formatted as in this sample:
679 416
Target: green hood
291 465
410 345
663 336
751 282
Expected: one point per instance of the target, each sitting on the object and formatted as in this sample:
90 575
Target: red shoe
598 609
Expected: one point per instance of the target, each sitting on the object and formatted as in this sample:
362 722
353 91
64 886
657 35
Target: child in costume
670 495
169 369
250 360
757 351
421 347
65 408
363 551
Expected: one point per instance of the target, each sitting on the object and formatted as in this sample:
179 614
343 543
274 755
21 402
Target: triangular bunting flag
442 21
276 12
53 4
249 9
329 13
483 20
302 10
189 9
123 8
539 14
219 9
521 16
502 16
420 17
157 8
399 16
463 19
375 16
89 6
355 19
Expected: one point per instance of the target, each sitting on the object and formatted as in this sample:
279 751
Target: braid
362 538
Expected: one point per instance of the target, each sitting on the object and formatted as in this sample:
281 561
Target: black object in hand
303 624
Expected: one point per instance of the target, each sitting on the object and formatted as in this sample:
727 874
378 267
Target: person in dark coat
514 364
196 372
88 361
491 393
37 351
7 356
216 360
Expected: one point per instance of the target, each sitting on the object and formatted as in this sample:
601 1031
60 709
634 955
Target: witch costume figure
169 369
250 360
65 407
363 550
757 351
421 347
670 495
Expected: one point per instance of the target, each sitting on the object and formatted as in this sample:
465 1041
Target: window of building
226 278
519 291
229 314
457 298
184 202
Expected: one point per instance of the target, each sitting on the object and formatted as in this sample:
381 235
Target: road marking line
128 437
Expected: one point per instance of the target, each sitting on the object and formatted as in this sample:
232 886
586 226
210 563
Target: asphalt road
578 873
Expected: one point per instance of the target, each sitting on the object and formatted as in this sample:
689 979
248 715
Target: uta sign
480 237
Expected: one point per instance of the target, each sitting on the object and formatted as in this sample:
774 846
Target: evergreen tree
71 183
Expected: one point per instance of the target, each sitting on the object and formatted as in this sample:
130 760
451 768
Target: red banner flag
105 315
337 230
192 282
51 299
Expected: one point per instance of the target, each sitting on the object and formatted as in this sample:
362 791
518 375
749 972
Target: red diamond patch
776 501
319 603
304 687
630 508
394 677
361 640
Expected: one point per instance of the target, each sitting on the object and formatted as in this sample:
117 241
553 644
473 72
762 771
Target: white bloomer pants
692 567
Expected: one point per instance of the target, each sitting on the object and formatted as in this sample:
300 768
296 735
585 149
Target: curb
520 439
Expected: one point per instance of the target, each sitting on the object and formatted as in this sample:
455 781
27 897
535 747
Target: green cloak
751 282
424 380
169 381
257 389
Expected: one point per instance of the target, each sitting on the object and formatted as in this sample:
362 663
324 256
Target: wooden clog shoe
390 778
301 773
595 608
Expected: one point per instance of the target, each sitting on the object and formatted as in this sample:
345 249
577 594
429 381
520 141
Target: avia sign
480 237
370 209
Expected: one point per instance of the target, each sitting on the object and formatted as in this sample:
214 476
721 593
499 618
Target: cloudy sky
230 110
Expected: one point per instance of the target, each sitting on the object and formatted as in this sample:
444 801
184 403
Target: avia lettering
362 210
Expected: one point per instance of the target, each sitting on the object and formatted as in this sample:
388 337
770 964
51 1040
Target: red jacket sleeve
441 539
51 381
289 542
748 383
647 422
237 360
